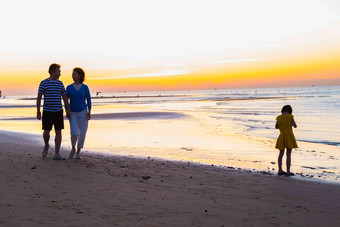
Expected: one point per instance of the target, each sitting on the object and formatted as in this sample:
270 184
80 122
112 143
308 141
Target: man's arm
38 106
67 105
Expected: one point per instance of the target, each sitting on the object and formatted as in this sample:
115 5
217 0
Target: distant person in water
286 139
53 90
80 99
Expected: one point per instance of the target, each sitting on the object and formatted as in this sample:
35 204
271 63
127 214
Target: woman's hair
53 67
81 73
287 108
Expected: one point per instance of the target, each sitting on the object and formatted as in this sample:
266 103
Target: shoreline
125 96
106 190
37 138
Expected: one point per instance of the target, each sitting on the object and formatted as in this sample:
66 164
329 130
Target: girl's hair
81 73
287 108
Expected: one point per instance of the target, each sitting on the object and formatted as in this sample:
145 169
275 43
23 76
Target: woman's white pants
78 124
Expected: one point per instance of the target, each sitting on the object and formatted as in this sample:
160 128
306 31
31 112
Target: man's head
54 71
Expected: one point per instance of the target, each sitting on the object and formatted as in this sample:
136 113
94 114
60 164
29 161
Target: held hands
68 115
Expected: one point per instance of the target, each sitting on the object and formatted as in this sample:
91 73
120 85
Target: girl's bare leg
279 161
288 161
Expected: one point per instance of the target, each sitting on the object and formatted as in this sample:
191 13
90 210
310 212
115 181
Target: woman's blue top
77 98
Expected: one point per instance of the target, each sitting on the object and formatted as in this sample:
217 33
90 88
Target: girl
80 110
286 138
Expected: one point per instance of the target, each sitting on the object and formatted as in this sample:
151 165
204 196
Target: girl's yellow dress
286 138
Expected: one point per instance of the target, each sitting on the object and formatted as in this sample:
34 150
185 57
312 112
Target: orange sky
304 67
313 64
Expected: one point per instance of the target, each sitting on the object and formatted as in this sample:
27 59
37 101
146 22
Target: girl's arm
277 125
293 123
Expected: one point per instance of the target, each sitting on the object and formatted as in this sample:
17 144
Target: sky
143 45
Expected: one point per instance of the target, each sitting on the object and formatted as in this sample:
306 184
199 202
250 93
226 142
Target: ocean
231 128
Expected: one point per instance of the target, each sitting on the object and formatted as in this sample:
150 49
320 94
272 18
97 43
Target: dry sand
102 190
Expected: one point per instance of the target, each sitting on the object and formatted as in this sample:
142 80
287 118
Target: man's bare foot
45 151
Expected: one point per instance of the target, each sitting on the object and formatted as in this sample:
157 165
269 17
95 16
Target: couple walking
78 110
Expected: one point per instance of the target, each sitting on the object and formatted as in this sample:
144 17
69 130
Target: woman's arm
67 91
277 125
89 104
88 99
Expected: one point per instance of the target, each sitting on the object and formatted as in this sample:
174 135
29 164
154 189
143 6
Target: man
52 89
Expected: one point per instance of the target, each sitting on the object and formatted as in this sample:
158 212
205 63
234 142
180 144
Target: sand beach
111 190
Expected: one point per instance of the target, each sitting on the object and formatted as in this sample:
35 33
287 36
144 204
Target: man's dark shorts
52 118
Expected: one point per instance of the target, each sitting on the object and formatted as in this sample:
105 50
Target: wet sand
121 115
104 190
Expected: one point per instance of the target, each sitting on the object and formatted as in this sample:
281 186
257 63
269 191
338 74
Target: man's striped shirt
52 91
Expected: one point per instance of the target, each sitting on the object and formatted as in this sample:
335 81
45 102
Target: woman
80 110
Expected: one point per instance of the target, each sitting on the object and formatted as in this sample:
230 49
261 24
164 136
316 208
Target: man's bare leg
57 141
46 136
